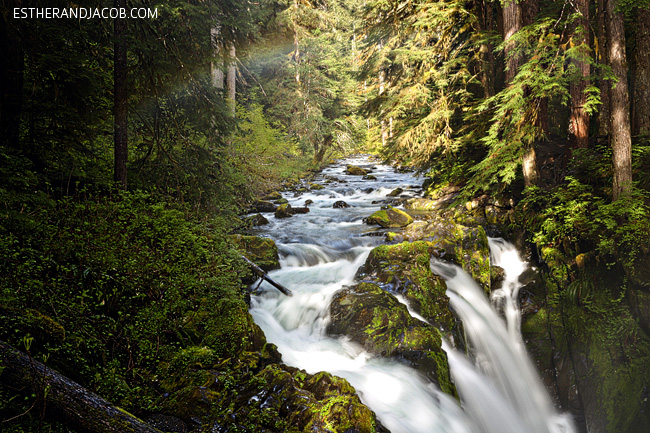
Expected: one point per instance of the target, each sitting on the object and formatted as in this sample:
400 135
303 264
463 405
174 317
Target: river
320 253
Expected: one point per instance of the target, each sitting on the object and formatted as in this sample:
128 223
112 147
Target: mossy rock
465 246
257 220
255 393
422 204
355 171
263 206
369 177
275 195
316 186
390 218
281 201
261 251
284 211
395 192
373 318
404 268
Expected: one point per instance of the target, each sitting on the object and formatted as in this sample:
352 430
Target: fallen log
262 274
65 399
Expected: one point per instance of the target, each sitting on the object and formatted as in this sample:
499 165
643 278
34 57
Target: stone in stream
284 211
340 205
355 171
390 217
395 192
404 269
255 392
263 206
257 220
373 318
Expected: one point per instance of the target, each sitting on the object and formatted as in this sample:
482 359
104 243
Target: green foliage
577 220
111 288
515 125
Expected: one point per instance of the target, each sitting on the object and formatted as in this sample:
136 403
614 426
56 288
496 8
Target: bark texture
621 137
120 98
601 54
231 80
579 120
642 74
68 401
216 69
512 21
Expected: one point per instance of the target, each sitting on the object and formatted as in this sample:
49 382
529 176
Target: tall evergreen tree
621 136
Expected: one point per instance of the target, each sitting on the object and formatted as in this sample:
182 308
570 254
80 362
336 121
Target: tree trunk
231 80
513 16
601 54
120 98
512 21
642 74
66 400
216 66
579 120
486 23
620 104
319 151
11 85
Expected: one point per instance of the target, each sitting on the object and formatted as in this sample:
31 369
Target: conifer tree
621 138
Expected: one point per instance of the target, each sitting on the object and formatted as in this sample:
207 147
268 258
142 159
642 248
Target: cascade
320 253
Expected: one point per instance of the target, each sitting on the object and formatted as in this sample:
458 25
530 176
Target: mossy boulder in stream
465 246
284 211
375 319
256 393
404 268
356 171
262 251
390 217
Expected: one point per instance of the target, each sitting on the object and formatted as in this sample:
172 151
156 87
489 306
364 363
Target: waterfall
499 388
321 252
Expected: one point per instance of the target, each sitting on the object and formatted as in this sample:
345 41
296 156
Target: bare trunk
512 20
486 23
642 74
64 399
579 120
120 98
601 54
319 151
216 67
231 80
620 104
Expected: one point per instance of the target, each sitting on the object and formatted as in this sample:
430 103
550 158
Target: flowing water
320 253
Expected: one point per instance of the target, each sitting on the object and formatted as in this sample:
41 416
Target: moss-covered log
66 400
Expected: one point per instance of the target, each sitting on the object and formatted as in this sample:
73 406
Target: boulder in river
355 171
395 192
257 220
263 206
390 217
284 211
404 269
256 393
465 246
375 319
340 205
